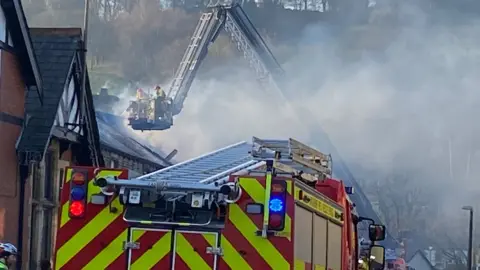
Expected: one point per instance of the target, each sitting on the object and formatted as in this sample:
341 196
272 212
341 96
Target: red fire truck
265 205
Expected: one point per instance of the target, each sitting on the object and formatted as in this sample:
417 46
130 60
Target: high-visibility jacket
140 94
3 266
160 93
363 265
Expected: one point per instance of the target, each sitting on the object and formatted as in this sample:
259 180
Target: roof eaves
21 36
93 119
65 86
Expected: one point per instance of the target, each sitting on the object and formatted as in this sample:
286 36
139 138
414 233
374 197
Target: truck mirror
377 258
376 232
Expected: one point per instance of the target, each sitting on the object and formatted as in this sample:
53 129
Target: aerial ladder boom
205 33
242 32
255 50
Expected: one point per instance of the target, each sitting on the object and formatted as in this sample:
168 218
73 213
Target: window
47 245
3 27
44 208
61 173
9 40
48 175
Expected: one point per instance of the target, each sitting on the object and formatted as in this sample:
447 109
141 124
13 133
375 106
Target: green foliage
143 41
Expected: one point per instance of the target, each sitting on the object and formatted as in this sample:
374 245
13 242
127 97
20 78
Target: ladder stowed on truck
275 206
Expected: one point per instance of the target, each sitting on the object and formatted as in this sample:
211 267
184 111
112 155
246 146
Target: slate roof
55 50
115 136
422 255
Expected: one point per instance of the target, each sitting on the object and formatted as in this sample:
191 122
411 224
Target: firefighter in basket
140 94
134 107
142 103
161 103
160 93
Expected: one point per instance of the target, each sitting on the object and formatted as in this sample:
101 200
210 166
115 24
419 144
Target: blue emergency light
77 194
276 205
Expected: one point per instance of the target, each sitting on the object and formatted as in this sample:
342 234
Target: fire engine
268 204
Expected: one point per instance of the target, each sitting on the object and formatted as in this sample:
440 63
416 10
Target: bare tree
402 202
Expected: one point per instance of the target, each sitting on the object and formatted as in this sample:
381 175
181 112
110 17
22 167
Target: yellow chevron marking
68 175
185 250
257 192
319 267
231 256
64 218
299 265
86 234
91 189
111 252
158 251
289 187
263 246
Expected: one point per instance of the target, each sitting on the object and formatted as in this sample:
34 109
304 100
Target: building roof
115 136
415 241
422 255
55 50
18 29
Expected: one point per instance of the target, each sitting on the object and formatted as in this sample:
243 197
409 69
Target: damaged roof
55 50
115 135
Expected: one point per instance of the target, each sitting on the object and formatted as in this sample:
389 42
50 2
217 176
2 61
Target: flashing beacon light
277 207
77 209
78 193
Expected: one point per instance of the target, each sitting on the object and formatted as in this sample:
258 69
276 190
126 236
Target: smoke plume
393 97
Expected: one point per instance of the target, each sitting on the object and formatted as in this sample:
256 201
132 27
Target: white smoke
410 107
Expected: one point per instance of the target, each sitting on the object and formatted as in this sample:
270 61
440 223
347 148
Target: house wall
12 99
45 201
45 196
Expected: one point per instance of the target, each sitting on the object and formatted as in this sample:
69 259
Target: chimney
104 101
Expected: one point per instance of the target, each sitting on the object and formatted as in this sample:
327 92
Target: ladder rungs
295 151
302 149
